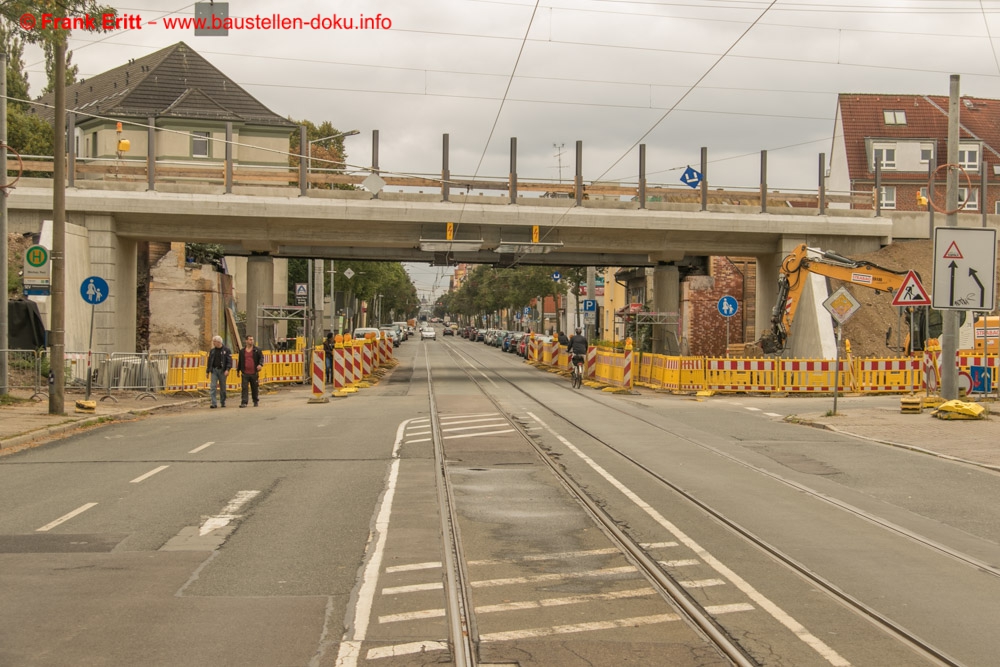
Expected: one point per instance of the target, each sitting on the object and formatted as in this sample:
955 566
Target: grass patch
7 399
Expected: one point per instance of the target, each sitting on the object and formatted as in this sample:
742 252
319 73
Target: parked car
361 332
393 334
448 331
428 333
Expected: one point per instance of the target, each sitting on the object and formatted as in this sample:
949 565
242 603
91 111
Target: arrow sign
911 292
951 290
982 290
691 177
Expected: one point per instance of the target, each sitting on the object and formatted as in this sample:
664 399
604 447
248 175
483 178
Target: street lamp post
349 133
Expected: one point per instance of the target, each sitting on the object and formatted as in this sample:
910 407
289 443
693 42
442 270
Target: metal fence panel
24 373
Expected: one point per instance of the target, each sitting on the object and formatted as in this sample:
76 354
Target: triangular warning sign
953 252
911 292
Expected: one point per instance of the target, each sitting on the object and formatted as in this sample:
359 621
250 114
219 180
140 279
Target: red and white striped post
627 371
366 357
318 373
339 378
358 366
590 369
554 346
532 347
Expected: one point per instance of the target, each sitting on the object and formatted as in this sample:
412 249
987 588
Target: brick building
908 134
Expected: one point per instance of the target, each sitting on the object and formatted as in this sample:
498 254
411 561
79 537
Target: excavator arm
792 279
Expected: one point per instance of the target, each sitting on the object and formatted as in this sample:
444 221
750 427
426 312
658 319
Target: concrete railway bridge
267 222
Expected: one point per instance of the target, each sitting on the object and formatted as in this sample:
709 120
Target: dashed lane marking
149 474
477 435
538 578
562 555
702 583
530 633
228 512
405 649
198 449
65 517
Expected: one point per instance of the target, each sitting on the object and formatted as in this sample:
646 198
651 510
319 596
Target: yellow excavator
791 280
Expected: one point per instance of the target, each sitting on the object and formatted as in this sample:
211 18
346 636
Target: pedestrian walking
248 364
220 360
328 355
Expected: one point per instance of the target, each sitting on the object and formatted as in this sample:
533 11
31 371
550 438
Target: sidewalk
27 423
975 441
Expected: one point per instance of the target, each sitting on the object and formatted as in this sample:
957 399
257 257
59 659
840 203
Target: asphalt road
260 536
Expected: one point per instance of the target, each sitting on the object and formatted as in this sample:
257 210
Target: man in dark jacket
577 346
220 360
328 355
248 364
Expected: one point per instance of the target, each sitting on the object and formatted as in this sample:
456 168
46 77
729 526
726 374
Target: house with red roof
908 135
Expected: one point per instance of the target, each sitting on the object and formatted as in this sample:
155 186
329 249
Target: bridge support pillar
260 282
666 299
113 259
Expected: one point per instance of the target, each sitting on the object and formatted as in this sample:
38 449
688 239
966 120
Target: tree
26 132
327 156
50 68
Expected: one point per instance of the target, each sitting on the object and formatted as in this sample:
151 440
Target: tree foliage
369 280
488 289
327 156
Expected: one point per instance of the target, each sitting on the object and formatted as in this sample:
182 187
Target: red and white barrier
339 376
590 369
318 372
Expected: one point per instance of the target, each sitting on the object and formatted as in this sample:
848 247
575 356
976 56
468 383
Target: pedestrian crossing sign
911 292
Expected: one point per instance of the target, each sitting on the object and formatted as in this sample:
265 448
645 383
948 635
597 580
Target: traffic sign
36 267
302 292
94 290
349 273
527 310
842 305
911 292
965 266
728 306
590 305
691 177
556 276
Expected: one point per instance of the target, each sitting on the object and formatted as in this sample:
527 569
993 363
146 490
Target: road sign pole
949 333
836 368
90 347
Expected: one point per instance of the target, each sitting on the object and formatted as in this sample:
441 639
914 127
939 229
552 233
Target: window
93 144
886 154
968 157
997 208
970 204
926 153
199 144
894 117
888 196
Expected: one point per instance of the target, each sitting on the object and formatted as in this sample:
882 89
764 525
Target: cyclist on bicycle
577 346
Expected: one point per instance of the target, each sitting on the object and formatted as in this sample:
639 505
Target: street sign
302 292
349 273
556 276
94 290
590 305
36 267
911 292
842 305
527 310
691 177
634 307
965 266
728 306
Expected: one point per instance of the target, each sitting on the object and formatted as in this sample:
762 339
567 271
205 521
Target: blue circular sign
556 276
728 306
94 290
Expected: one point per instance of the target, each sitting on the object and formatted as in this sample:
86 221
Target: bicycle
577 371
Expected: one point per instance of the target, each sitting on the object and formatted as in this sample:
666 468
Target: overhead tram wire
993 47
496 119
668 111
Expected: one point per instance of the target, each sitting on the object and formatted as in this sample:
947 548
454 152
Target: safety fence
978 373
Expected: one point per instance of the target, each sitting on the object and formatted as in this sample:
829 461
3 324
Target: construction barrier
24 373
627 366
609 367
591 368
367 352
742 374
887 375
318 376
187 372
802 376
339 377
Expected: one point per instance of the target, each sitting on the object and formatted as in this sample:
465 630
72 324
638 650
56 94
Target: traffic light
921 200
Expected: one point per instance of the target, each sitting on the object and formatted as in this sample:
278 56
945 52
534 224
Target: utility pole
559 148
949 332
4 286
57 300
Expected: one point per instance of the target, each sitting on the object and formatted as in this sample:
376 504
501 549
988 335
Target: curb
900 445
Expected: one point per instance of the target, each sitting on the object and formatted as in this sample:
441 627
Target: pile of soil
867 329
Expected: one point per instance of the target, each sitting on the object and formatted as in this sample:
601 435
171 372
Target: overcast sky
736 76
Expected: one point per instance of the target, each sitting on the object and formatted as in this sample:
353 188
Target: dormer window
894 117
884 154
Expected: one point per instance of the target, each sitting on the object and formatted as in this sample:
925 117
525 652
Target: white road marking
148 474
500 422
198 449
228 512
751 409
413 588
447 419
405 649
476 435
65 517
679 563
491 583
562 555
473 421
530 633
719 609
702 583
774 610
413 442
773 414
357 628
419 433
519 606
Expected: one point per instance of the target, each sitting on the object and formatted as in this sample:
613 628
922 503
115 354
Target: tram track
900 633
